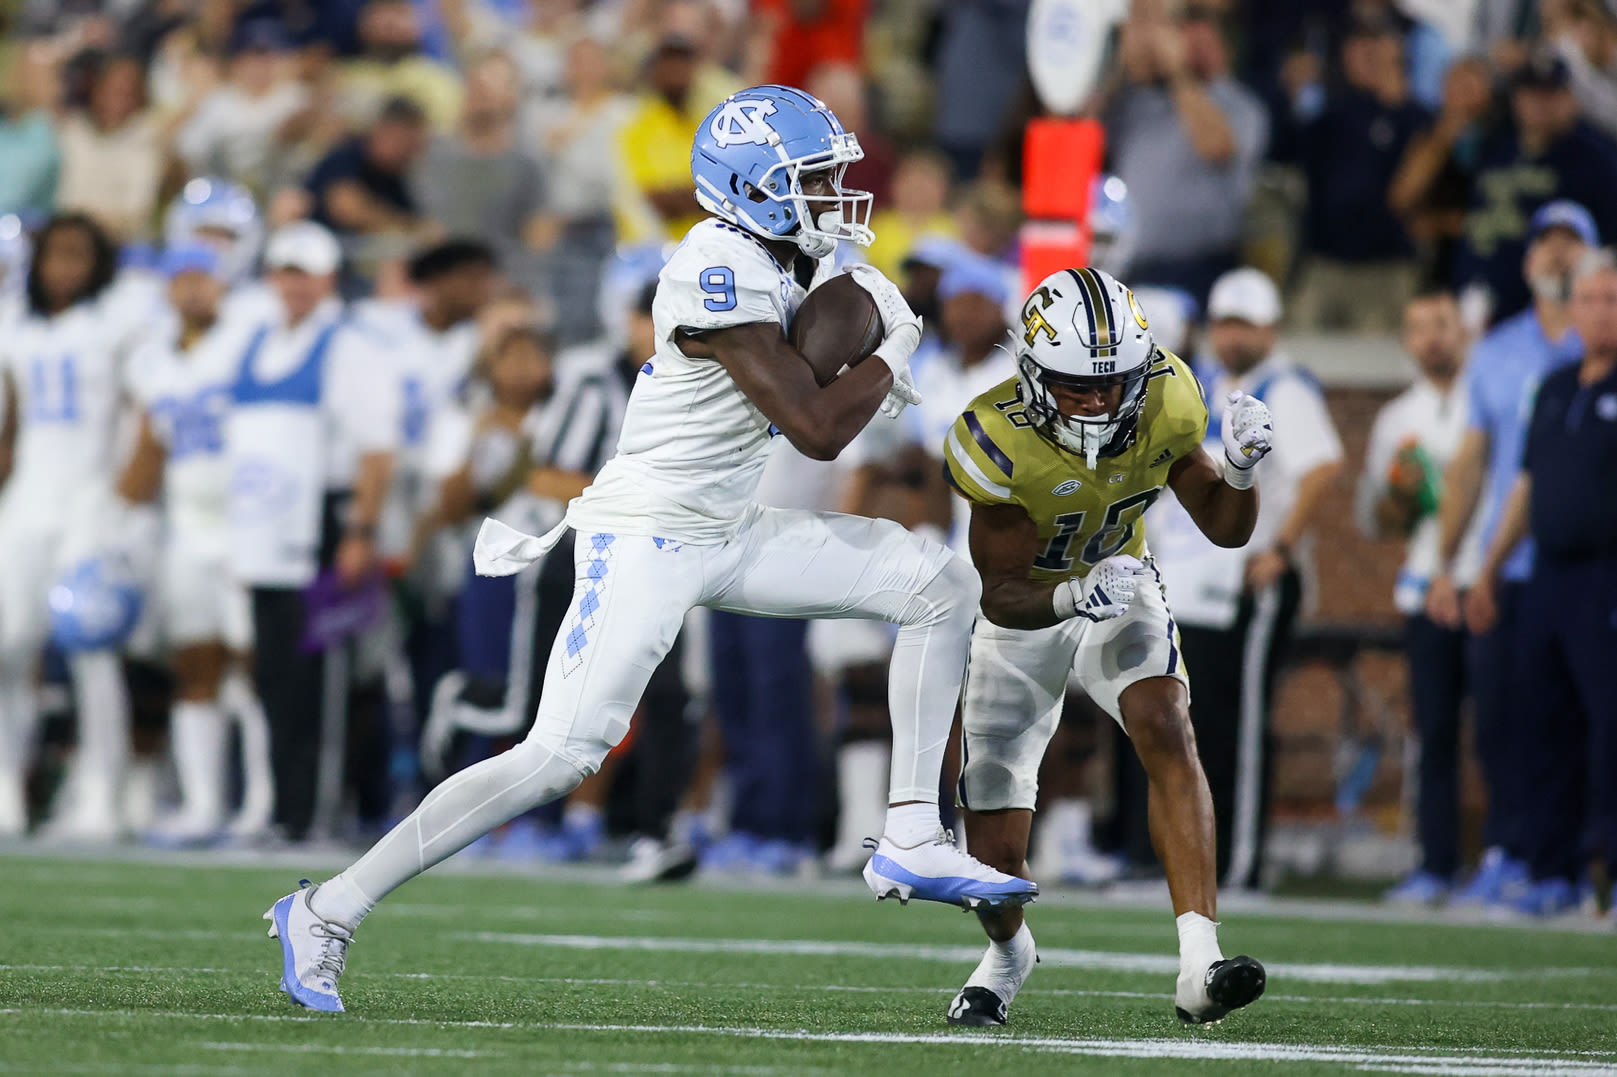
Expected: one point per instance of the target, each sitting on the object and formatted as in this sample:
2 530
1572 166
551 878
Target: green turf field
132 967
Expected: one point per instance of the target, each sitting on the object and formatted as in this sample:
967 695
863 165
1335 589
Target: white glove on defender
1248 433
1103 594
903 330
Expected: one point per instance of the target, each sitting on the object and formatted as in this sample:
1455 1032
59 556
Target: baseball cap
971 272
189 258
1245 294
1564 213
935 251
1546 71
1170 312
303 245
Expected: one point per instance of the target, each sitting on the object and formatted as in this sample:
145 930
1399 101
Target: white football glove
1248 433
902 395
1103 594
899 322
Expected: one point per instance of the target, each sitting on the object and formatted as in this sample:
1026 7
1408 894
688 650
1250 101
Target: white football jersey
186 396
68 375
431 367
693 445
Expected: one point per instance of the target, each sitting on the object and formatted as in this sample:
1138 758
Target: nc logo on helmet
742 123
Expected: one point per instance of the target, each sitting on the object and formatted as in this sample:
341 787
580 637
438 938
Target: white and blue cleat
312 951
938 871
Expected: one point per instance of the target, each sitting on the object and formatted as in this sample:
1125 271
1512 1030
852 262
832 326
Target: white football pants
631 596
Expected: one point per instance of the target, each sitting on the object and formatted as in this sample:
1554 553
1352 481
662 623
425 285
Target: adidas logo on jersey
1071 486
1163 458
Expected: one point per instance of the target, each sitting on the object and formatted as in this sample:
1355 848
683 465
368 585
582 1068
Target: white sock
103 711
340 900
198 738
1006 966
909 825
1198 943
923 679
239 700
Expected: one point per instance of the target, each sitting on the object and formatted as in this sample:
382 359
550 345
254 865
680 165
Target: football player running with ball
670 523
1059 464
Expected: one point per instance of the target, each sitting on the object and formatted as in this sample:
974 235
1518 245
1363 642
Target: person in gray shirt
478 183
1187 139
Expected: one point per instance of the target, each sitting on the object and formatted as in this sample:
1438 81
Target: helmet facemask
1089 436
821 221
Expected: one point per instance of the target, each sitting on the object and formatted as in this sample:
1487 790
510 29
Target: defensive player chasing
1059 464
670 524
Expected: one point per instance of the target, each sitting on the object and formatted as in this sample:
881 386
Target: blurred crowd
463 205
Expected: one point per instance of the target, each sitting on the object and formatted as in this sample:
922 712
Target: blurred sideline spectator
1500 373
478 182
1237 608
979 66
1584 35
1566 634
239 127
1549 153
845 92
1431 189
578 140
391 64
919 206
28 140
1361 264
112 152
1412 440
1186 138
362 186
654 147
802 35
317 418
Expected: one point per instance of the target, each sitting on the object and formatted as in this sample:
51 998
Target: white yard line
337 1049
1419 1060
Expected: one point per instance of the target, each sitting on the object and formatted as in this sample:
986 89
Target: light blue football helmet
749 158
95 605
222 215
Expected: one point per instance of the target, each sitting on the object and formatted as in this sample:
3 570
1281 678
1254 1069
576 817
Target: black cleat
1231 984
978 1007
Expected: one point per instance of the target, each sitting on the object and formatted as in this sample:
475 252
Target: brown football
837 326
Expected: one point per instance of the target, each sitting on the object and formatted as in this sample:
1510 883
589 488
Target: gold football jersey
993 456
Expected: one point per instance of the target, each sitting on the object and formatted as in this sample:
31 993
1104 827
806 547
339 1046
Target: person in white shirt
432 338
313 425
238 128
181 381
1236 608
1412 441
63 361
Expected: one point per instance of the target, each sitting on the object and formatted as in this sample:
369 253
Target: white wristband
900 344
1241 478
1065 600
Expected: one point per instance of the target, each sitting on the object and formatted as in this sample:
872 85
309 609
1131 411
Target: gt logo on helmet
742 123
1033 320
1138 311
